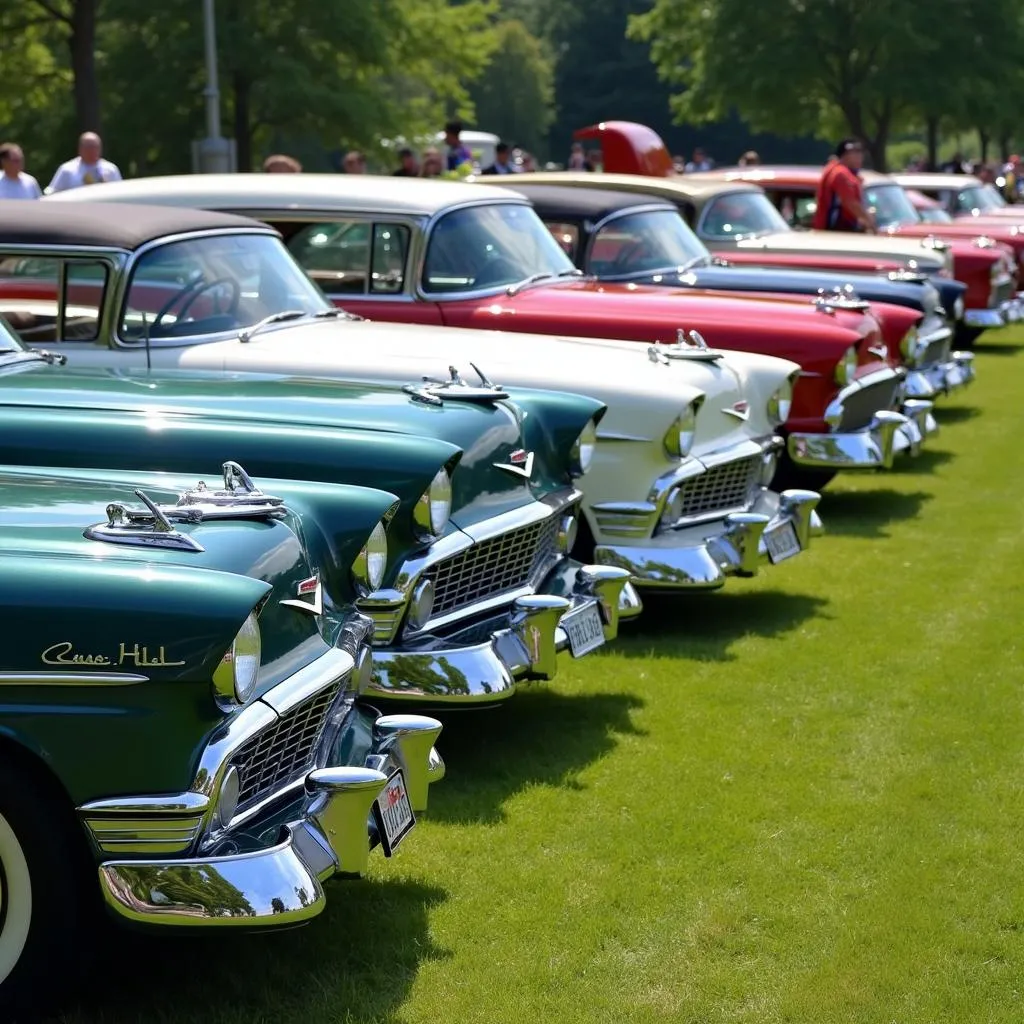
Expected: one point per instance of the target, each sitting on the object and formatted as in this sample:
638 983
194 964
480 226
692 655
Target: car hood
878 246
183 606
479 436
643 396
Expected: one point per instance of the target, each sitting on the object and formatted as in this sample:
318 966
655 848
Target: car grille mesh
860 406
721 488
493 566
284 751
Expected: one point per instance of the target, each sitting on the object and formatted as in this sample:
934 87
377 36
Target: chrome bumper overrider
484 662
921 423
941 378
705 555
272 874
871 448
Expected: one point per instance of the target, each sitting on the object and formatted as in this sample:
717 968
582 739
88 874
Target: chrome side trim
71 679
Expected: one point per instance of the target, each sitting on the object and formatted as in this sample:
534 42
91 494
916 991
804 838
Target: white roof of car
366 192
925 181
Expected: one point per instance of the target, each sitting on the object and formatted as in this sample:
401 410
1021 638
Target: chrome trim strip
71 679
608 435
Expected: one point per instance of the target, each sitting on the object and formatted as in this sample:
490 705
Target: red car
984 259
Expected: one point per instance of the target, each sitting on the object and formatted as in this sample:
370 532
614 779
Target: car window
740 215
567 236
214 284
335 254
389 257
30 298
643 242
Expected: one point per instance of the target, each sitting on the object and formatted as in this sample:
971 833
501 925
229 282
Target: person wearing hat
840 199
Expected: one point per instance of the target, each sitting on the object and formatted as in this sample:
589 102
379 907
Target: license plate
584 629
393 813
781 542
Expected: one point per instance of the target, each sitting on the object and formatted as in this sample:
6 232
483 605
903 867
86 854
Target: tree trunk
1004 147
82 43
984 140
932 129
242 90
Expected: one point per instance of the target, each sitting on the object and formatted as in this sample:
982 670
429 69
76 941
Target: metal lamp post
213 154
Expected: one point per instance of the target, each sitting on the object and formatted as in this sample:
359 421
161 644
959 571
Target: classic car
738 220
474 256
677 492
184 742
963 195
468 582
985 262
629 237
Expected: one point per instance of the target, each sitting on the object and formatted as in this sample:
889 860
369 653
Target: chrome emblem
740 409
306 588
520 463
881 351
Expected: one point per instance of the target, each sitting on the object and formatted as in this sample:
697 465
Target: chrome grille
284 751
493 566
860 406
722 488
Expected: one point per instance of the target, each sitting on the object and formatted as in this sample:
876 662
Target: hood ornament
311 589
435 392
931 242
688 345
828 300
147 528
239 498
520 463
908 275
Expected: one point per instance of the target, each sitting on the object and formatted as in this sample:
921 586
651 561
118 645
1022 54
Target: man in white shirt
14 182
87 168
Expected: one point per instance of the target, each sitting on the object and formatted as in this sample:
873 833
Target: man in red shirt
840 198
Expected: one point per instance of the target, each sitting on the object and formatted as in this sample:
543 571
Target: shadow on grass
947 415
994 348
868 513
703 627
357 960
538 738
927 461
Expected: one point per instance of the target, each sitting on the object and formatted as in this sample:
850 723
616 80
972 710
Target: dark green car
185 731
469 583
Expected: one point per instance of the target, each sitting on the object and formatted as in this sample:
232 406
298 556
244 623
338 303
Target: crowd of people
87 168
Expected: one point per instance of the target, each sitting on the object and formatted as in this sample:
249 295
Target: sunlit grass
797 800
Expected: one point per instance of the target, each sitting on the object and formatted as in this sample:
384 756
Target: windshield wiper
512 289
275 318
336 313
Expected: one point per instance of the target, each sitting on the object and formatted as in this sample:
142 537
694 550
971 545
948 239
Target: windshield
213 284
933 215
740 215
490 247
639 242
9 342
975 198
891 205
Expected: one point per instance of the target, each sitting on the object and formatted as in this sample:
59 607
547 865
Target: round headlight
780 403
582 454
908 346
368 568
847 366
435 506
235 677
679 439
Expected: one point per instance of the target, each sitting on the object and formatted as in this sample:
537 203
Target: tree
853 66
515 96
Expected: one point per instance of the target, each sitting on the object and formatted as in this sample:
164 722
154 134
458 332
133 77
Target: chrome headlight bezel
780 402
371 563
581 455
847 366
434 507
235 678
681 434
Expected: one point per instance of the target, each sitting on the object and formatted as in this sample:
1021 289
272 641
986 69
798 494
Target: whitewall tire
15 900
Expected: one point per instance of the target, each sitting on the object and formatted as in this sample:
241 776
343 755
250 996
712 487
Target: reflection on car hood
880 246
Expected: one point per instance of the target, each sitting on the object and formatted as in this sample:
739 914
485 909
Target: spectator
595 159
502 163
354 162
432 163
527 163
700 162
410 166
87 168
14 182
750 159
577 159
955 165
679 164
840 197
458 154
984 172
281 164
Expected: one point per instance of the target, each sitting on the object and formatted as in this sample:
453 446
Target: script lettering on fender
64 653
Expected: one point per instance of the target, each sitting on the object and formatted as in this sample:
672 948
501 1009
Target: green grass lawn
797 800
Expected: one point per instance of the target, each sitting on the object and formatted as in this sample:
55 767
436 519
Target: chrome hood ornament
149 527
907 275
239 498
931 242
436 392
688 345
828 300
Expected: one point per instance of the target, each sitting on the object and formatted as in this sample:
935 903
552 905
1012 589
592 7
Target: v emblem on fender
520 463
741 410
310 587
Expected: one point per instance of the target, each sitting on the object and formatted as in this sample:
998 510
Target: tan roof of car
369 193
774 172
683 183
923 182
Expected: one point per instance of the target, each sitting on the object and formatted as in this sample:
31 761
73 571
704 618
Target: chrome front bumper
484 662
258 882
941 378
871 448
705 555
1009 312
920 424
